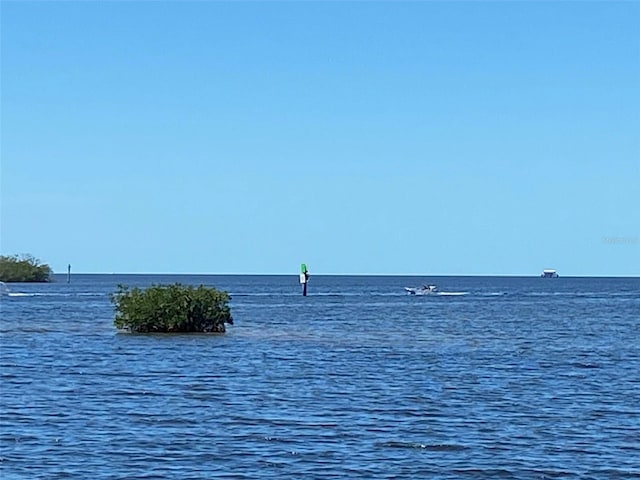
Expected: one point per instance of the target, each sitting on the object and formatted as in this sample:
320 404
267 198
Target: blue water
523 378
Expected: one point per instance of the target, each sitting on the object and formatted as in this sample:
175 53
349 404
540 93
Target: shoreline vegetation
23 268
173 308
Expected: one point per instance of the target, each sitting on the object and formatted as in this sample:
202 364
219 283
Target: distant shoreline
354 275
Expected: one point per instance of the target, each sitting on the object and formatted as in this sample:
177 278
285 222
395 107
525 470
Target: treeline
23 268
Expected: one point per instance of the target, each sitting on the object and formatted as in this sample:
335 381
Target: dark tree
171 309
23 268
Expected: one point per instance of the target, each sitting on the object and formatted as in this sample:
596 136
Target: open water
523 378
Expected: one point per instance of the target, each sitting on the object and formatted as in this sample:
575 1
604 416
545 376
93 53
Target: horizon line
520 275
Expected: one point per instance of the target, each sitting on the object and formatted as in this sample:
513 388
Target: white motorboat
423 290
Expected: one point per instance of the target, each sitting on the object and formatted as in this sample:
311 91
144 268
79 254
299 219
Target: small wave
485 472
323 294
585 365
50 294
25 330
264 294
439 447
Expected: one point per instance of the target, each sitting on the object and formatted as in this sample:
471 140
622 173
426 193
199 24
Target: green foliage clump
171 309
23 268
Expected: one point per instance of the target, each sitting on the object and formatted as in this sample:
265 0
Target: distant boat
423 290
548 273
4 290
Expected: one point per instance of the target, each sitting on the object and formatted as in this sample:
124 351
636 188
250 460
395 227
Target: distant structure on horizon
548 273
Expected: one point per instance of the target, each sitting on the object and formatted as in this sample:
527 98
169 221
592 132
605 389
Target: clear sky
358 137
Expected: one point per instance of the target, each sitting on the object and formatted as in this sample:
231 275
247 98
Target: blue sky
358 137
